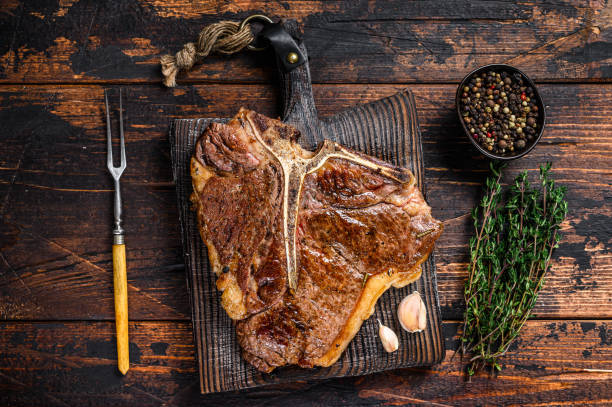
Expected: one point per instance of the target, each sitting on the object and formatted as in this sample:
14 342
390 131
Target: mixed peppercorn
500 111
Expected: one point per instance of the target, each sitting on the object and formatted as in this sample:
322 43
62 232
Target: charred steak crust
303 243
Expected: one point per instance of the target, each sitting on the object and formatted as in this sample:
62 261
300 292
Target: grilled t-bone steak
303 243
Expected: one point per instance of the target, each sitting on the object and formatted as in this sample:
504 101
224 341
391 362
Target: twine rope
224 37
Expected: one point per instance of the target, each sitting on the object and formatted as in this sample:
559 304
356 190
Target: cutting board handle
298 107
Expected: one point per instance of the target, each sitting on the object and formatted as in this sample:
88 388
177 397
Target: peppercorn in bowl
501 111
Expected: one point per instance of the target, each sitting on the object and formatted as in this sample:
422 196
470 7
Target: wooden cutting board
387 129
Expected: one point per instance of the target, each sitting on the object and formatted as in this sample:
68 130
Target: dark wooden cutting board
387 129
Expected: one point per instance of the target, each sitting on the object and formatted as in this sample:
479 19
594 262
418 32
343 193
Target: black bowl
541 121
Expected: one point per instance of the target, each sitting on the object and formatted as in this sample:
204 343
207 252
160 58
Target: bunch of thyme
510 254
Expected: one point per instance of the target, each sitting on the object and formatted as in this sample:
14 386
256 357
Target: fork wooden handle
121 307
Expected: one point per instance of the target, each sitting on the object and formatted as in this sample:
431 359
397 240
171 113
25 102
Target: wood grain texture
358 42
73 363
56 198
56 203
386 128
121 308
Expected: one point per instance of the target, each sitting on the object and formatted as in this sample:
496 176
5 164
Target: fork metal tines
115 171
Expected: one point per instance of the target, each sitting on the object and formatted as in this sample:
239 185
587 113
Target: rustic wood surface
386 128
56 302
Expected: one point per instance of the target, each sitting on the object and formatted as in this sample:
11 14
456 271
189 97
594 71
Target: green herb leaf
510 254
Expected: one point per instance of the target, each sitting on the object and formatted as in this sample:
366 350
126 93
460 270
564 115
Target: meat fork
119 264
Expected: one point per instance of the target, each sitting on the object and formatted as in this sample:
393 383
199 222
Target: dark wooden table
56 306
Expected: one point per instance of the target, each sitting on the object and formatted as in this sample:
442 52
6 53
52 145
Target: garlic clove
388 338
412 314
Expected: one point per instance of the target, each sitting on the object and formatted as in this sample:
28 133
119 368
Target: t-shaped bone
296 163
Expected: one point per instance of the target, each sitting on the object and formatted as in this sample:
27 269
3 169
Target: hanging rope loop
224 37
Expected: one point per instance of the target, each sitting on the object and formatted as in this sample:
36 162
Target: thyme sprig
510 254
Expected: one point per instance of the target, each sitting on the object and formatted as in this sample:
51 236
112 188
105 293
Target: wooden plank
384 41
43 164
73 363
386 128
